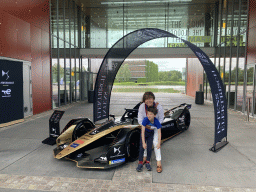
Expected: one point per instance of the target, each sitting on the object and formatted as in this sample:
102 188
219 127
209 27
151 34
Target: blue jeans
149 141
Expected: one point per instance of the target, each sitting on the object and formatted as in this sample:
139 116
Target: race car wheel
186 119
132 145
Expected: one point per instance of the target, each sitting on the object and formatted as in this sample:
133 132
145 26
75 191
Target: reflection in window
250 89
55 79
240 83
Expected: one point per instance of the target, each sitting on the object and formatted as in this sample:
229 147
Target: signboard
54 127
11 90
192 39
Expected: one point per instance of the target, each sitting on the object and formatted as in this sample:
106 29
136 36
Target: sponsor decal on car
167 126
117 150
74 145
79 141
117 161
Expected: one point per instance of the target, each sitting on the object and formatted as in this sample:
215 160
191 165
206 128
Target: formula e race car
115 141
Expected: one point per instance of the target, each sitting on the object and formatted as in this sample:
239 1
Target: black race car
115 141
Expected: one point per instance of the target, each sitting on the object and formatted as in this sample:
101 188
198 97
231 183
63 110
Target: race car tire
187 119
132 145
186 114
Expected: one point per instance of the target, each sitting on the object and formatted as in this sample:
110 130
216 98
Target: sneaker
148 167
139 168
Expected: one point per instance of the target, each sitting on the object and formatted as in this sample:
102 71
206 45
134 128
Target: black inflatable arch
122 49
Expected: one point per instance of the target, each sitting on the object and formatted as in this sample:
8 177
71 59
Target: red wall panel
195 76
7 5
251 47
41 15
36 67
46 71
8 35
23 42
17 8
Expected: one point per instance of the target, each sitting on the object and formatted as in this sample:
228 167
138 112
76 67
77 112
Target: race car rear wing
181 105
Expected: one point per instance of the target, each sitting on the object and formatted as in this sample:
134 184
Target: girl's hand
158 146
144 146
148 127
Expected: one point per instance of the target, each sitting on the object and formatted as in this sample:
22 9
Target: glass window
68 82
72 79
62 83
72 22
240 80
54 17
98 28
250 89
61 19
67 22
55 78
85 64
78 78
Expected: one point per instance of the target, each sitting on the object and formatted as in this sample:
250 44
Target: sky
170 64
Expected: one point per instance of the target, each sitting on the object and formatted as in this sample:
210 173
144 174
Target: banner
11 90
122 49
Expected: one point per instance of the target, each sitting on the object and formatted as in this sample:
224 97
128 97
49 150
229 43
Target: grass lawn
152 83
144 89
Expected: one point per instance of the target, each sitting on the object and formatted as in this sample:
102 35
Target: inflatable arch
122 49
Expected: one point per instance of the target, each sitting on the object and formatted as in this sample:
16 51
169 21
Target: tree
170 75
55 72
163 75
124 73
175 75
240 74
151 71
250 74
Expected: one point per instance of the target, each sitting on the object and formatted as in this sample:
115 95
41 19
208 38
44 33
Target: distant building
137 68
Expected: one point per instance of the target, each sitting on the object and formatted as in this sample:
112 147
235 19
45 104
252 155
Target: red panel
194 77
252 13
18 8
46 71
36 12
251 47
46 16
1 32
35 3
23 43
36 68
41 15
7 5
8 35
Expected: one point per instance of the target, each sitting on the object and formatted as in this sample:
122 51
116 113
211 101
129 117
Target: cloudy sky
170 64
